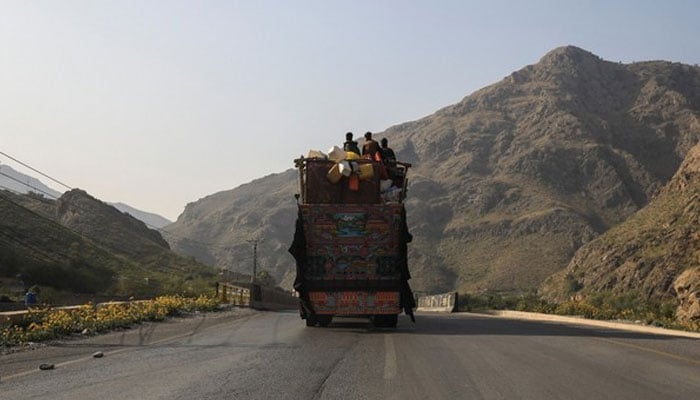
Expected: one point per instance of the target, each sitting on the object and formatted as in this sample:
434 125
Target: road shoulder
620 325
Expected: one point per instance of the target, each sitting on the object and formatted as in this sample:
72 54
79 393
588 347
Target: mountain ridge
151 219
18 182
656 251
507 183
84 245
14 180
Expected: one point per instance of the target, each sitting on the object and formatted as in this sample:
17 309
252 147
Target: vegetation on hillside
81 245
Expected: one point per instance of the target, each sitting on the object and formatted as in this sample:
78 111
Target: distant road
254 355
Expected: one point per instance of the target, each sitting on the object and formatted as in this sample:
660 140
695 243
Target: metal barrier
262 298
255 296
16 317
233 294
446 302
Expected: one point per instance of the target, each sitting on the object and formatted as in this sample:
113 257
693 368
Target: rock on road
244 354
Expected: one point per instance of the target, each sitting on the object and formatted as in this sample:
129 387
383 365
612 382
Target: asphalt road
260 355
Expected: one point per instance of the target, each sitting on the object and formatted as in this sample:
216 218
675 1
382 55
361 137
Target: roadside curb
626 326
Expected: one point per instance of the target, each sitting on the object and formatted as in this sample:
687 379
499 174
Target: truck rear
350 242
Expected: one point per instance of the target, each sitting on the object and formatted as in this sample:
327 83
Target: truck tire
324 320
385 321
311 320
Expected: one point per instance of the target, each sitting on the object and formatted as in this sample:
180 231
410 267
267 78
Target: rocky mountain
15 181
656 251
153 220
82 244
41 251
508 183
219 228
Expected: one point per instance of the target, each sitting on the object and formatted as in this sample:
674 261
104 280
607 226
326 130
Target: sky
160 103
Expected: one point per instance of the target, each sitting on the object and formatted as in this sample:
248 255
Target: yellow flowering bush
578 308
11 335
43 324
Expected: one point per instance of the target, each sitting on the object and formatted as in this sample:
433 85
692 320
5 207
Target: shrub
48 323
601 305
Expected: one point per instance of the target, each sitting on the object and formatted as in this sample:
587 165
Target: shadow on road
476 325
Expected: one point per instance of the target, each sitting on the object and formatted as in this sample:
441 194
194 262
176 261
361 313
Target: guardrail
255 296
233 294
15 317
445 302
261 298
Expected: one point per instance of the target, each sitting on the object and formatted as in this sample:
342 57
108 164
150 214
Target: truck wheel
391 320
324 320
385 321
310 320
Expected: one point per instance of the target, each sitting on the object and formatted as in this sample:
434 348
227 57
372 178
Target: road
265 355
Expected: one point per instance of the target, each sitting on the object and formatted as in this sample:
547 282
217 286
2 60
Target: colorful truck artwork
350 243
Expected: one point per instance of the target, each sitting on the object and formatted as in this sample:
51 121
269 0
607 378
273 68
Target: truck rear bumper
355 302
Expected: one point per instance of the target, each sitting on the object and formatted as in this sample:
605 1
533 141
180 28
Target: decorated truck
350 242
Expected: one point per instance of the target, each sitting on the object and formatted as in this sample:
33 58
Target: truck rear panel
352 255
350 244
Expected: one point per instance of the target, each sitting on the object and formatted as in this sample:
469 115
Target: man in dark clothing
370 147
387 153
389 159
350 145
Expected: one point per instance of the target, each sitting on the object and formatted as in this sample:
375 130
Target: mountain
80 243
507 184
18 182
217 229
656 251
15 181
44 252
151 219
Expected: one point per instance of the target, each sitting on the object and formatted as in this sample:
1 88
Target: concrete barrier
446 302
266 298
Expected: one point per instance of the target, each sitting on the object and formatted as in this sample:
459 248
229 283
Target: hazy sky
159 103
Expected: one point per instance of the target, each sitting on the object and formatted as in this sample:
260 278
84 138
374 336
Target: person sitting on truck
350 145
389 158
387 153
370 148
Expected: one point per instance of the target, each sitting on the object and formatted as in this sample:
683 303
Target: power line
54 197
47 194
82 235
28 185
35 170
9 189
181 238
34 249
172 235
51 221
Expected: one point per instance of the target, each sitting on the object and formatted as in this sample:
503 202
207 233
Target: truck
350 241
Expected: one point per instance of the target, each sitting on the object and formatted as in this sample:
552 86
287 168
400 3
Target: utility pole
255 258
